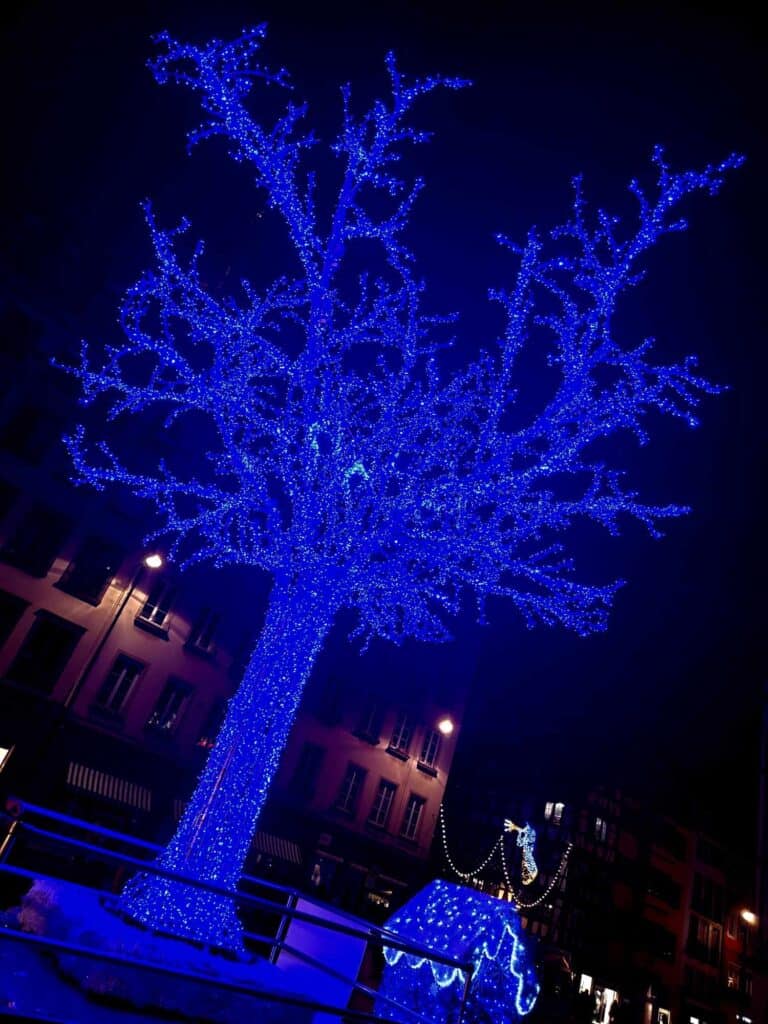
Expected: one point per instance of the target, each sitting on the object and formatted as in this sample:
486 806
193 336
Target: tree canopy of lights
355 468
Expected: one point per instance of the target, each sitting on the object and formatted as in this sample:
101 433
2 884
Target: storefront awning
80 776
275 846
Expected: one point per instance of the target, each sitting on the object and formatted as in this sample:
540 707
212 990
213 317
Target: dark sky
670 697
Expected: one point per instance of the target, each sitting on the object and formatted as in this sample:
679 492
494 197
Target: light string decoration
526 840
498 845
353 468
529 904
464 924
466 875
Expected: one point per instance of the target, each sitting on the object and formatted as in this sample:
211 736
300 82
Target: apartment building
637 917
115 670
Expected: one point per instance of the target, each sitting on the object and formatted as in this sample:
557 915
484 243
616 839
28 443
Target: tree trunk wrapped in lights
359 472
215 832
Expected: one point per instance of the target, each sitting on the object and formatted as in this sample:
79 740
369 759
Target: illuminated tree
353 468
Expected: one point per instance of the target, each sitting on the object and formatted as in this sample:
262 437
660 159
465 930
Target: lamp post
153 560
445 727
751 921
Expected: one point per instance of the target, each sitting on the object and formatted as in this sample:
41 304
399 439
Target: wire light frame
474 874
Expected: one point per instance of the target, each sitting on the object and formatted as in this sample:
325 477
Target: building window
170 707
11 610
704 940
672 840
369 726
401 735
8 496
36 541
118 684
30 434
88 576
328 699
658 940
382 804
307 771
349 793
44 652
212 724
601 830
201 637
412 816
662 887
553 812
430 748
708 898
158 604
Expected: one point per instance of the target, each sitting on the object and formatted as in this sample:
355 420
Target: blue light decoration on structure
465 925
526 841
358 472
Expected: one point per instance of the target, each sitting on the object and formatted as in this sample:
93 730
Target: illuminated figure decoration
337 453
465 925
526 840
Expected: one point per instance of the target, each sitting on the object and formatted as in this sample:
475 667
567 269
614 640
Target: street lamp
152 560
745 987
445 726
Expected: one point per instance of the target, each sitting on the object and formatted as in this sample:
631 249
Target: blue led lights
469 926
357 472
526 840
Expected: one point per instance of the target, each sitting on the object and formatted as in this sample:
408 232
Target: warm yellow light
749 917
445 726
153 561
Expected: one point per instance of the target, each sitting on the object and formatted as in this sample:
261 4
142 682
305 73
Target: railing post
7 843
464 995
282 928
13 810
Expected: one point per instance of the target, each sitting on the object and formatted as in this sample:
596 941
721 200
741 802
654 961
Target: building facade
637 918
362 782
115 671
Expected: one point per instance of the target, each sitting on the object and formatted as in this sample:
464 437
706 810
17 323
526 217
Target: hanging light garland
473 875
466 875
553 881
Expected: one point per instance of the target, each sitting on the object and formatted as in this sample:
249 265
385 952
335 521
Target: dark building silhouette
636 917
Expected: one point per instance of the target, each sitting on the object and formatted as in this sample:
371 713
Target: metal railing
283 905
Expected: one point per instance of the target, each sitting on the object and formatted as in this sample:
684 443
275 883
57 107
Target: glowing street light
152 560
749 917
445 726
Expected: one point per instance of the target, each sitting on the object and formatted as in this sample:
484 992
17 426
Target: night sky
669 698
